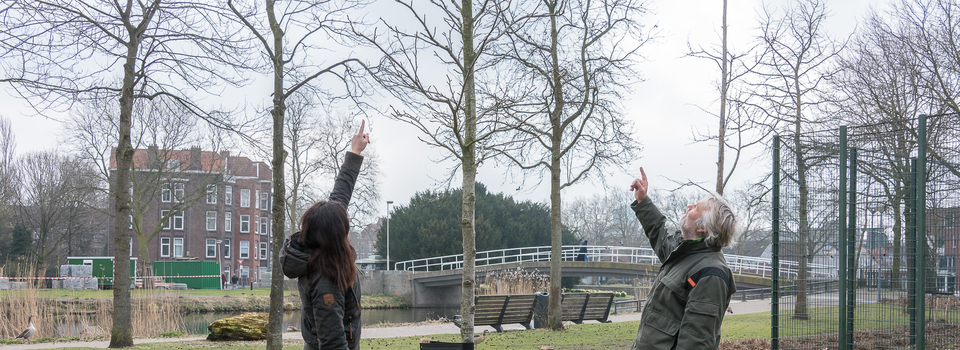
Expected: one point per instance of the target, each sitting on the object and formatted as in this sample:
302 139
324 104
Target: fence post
775 263
912 249
842 238
921 232
851 249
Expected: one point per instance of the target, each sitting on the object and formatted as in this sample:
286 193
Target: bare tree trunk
554 313
724 86
121 335
469 175
275 321
800 308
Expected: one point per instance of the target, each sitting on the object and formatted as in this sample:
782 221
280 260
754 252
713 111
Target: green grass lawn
586 336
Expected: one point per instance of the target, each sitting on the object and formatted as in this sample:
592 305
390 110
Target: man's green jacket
686 304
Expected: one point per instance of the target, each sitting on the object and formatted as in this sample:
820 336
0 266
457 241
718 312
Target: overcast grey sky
663 108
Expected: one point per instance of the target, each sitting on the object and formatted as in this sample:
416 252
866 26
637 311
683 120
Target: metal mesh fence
864 216
942 222
808 250
883 230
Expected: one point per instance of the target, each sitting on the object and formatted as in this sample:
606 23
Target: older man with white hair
686 304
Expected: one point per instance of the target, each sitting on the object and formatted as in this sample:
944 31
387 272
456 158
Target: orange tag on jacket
692 283
328 299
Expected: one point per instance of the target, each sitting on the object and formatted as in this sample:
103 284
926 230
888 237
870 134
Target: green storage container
168 270
102 267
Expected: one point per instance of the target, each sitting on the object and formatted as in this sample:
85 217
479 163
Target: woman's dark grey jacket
330 317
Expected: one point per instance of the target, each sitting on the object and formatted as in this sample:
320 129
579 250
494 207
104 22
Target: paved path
748 307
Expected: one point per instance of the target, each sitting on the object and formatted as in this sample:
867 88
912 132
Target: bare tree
59 52
879 89
589 218
571 60
440 70
736 130
315 146
604 219
7 189
51 201
300 67
623 222
8 146
752 206
796 60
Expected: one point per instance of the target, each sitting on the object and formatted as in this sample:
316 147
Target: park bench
498 310
578 307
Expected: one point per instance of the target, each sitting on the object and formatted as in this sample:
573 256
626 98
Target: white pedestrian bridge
437 280
738 264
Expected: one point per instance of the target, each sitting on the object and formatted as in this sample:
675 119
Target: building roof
194 159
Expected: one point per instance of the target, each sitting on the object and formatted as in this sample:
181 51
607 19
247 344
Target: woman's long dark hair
324 231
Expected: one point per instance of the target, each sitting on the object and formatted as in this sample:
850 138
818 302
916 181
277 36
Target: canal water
198 323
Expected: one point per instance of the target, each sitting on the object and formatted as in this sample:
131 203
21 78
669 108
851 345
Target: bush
171 334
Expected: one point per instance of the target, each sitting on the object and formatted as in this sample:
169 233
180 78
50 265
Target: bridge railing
738 264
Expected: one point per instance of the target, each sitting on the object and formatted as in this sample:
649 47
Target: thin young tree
736 130
796 60
438 68
572 59
58 52
294 40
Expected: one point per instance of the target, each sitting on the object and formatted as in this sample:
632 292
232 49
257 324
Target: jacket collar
690 247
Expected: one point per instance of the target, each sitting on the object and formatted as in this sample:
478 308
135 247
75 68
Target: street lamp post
388 234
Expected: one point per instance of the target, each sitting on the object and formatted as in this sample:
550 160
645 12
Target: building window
226 248
165 193
244 249
164 219
263 225
211 221
178 221
228 221
264 201
244 223
244 198
950 221
255 196
244 271
211 248
211 194
178 192
228 195
178 247
263 250
165 247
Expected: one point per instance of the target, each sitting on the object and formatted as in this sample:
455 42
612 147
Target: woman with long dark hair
321 258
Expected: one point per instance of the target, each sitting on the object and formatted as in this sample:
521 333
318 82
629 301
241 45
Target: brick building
214 208
943 230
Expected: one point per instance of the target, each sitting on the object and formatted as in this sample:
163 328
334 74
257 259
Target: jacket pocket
659 331
704 308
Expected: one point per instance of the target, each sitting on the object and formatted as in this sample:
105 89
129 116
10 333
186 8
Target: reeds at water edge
68 315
